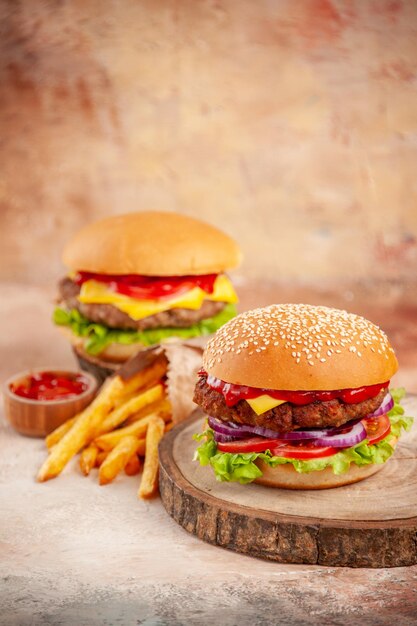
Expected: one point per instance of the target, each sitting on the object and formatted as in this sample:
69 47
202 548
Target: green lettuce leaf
242 467
100 336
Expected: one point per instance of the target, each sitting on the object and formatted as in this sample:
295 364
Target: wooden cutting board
369 524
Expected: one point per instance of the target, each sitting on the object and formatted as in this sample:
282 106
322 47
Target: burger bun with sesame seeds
294 348
300 347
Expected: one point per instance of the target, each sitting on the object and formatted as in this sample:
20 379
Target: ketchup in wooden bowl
39 401
50 386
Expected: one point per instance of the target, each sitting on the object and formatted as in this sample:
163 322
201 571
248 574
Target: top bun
296 347
151 243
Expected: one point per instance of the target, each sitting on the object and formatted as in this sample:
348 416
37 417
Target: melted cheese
94 292
263 403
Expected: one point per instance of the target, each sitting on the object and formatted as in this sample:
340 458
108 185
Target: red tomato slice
152 292
278 447
150 287
303 451
377 428
253 444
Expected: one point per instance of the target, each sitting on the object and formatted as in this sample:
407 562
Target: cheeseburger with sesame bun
297 396
139 279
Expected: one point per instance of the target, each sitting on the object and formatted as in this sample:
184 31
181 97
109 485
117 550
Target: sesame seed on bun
300 347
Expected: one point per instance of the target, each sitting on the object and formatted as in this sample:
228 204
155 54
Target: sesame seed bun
151 243
298 347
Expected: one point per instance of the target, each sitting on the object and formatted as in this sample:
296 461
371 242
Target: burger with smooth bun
139 279
298 396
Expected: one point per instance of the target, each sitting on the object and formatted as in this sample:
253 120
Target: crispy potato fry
168 426
57 434
83 429
88 459
149 483
124 399
133 466
101 456
162 408
138 402
143 381
117 459
138 429
146 378
141 446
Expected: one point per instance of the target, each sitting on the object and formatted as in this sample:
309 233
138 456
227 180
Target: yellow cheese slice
94 292
264 403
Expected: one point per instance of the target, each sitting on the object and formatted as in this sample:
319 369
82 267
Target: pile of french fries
120 430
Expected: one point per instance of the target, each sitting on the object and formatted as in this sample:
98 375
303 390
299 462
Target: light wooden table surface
72 552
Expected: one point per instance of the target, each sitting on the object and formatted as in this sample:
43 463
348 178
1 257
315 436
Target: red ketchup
50 386
150 287
234 393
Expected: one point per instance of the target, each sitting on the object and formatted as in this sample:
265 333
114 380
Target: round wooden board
369 524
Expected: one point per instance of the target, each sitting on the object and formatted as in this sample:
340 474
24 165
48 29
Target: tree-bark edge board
266 534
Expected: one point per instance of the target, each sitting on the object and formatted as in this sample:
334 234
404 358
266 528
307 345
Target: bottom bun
114 353
286 477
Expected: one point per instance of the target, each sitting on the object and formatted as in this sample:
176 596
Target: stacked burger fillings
297 396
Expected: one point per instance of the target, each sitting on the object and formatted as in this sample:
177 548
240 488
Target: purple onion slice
225 428
241 431
344 440
387 404
219 438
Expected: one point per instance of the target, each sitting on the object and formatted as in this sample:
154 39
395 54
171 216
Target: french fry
133 466
147 377
83 429
138 402
129 396
162 408
57 434
117 459
149 483
137 429
88 459
101 456
168 426
141 446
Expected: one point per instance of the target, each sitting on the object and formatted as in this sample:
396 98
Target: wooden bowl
37 418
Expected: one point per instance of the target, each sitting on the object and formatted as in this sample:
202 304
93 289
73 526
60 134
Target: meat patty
114 318
285 417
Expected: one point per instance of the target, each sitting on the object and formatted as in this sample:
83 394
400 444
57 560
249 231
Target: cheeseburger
143 278
297 396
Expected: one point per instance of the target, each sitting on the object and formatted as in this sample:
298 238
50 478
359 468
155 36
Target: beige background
291 124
